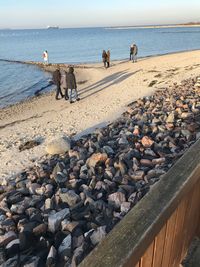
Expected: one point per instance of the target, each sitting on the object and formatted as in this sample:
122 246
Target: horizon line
118 26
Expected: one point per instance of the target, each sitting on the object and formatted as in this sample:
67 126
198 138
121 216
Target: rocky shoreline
55 213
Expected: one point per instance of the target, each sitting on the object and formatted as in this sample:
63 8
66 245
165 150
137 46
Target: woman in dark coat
71 86
108 58
104 58
56 81
64 84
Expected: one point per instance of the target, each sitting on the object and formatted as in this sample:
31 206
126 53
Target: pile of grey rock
55 213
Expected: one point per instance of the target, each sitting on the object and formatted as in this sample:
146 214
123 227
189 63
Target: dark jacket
104 56
70 79
56 77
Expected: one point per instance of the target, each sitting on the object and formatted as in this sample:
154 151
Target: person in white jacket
45 57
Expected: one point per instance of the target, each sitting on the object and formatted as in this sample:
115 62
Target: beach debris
152 83
159 75
28 145
56 212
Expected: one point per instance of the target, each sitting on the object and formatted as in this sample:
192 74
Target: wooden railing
159 229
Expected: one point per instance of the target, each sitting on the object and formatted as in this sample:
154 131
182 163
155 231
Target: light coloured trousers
72 94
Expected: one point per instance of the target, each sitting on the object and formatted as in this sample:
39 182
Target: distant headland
189 24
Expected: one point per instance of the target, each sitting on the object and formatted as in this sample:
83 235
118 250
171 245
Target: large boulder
58 145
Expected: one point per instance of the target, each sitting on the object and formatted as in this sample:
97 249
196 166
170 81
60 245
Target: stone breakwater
55 213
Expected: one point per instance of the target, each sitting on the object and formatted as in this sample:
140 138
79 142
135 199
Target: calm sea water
82 45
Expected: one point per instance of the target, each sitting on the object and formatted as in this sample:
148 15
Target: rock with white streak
98 235
51 258
65 248
117 199
55 219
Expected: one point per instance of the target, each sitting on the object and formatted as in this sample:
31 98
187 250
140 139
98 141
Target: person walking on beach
104 58
56 81
108 58
45 57
63 84
131 52
71 86
135 51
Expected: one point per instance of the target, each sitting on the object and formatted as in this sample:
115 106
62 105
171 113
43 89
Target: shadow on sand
106 82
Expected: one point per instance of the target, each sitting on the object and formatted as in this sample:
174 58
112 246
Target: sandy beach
104 93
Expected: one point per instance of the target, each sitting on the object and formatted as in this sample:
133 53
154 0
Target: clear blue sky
84 13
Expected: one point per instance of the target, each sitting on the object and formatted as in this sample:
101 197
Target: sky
92 13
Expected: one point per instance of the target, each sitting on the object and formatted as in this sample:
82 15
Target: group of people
106 58
68 82
133 55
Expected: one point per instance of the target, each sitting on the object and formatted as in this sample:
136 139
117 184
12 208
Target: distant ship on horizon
52 27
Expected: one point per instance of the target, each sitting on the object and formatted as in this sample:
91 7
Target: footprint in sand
152 71
158 75
173 70
152 83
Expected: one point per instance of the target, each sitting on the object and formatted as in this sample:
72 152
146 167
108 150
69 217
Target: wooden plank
186 223
192 227
195 214
159 247
169 239
191 224
147 259
198 230
130 238
179 228
197 208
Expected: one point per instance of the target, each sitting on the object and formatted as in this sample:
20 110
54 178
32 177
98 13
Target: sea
77 45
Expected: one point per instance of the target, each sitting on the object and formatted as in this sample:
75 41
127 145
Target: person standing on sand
135 51
64 84
56 81
104 58
71 86
108 58
131 52
45 57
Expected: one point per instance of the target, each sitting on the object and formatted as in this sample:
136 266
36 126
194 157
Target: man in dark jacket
71 86
56 81
131 52
104 58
